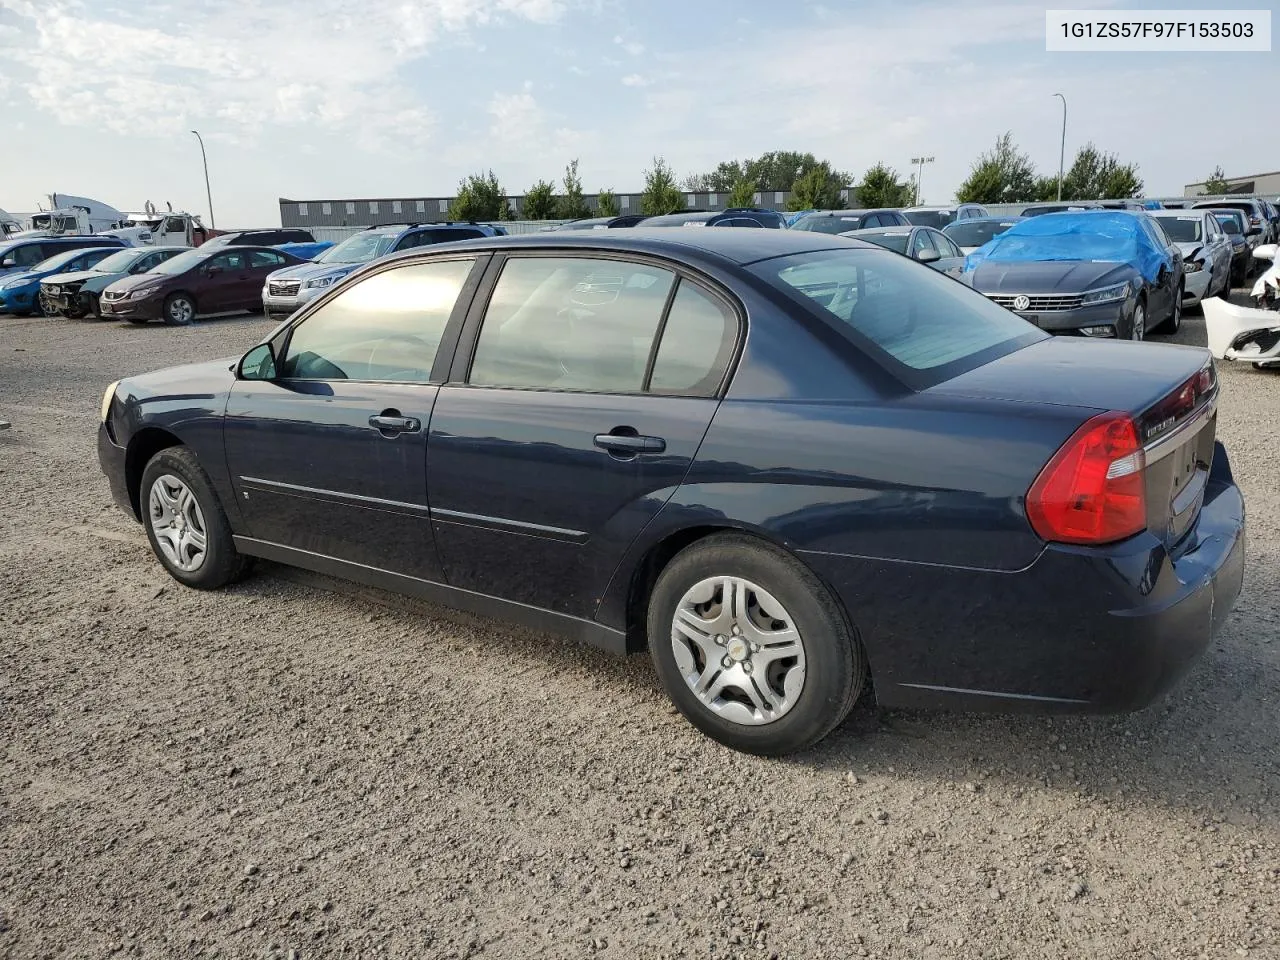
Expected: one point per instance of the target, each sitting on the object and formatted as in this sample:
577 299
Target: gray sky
332 98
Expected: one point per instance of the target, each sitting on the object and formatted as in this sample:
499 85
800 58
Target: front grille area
284 288
1047 303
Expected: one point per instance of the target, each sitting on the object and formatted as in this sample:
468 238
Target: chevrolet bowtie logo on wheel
1021 302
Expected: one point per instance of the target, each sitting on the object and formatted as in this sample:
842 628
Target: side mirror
1217 237
928 256
258 364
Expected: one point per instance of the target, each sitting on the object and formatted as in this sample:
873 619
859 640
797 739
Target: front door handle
387 423
629 444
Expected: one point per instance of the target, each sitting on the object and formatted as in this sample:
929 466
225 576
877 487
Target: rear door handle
629 443
390 424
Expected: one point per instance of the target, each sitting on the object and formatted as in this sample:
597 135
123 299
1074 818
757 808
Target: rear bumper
1080 630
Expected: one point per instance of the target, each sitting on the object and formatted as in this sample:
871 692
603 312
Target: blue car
288 289
796 468
20 292
20 254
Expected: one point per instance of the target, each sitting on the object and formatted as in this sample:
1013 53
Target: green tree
540 201
661 195
819 189
1095 175
880 187
571 205
742 194
777 170
480 197
606 203
1216 183
1044 189
719 180
1001 175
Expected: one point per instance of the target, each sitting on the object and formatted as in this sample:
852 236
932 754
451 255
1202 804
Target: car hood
1048 276
78 276
309 271
130 281
1189 249
25 276
190 381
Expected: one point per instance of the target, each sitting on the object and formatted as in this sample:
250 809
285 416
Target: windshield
974 233
1182 229
923 325
360 248
828 224
896 241
1230 225
929 218
181 263
118 262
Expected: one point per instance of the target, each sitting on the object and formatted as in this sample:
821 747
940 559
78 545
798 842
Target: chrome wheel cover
178 523
181 310
738 650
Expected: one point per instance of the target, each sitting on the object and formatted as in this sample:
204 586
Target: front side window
385 327
922 325
559 323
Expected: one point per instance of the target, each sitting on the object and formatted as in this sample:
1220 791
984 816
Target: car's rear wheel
751 647
179 310
185 523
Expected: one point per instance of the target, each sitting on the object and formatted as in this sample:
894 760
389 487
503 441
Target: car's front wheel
186 525
179 310
1138 325
1173 322
751 647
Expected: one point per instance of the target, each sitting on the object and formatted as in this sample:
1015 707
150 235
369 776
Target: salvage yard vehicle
1096 273
75 294
603 223
1250 334
1206 252
167 229
75 216
18 255
919 243
298 243
9 225
939 217
287 289
969 235
20 292
206 280
729 217
1257 218
790 464
1235 225
842 221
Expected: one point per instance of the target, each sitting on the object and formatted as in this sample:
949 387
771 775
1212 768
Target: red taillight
1093 490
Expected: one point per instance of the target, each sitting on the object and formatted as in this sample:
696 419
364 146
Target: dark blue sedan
791 465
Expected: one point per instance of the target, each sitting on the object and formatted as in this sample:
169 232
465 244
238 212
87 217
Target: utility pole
1062 151
918 163
207 192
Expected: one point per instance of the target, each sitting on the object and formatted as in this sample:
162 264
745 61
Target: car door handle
629 443
386 423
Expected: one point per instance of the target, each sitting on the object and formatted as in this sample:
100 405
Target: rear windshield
836 224
929 218
924 326
974 233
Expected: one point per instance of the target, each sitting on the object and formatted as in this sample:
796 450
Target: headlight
1116 291
141 292
324 281
1192 266
107 398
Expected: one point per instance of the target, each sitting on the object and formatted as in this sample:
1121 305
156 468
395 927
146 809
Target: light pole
1062 151
207 192
918 163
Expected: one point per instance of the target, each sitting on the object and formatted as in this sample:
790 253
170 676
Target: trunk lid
1170 392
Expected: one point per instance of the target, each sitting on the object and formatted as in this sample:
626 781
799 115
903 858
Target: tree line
1003 174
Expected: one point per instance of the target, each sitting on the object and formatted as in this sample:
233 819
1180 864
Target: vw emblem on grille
1021 302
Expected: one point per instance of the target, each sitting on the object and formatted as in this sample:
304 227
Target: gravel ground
301 768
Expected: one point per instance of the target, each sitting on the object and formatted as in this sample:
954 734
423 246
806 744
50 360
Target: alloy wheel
178 523
1139 322
181 310
738 650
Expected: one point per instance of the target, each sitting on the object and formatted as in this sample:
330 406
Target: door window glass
264 258
945 246
25 256
697 344
386 327
559 323
227 262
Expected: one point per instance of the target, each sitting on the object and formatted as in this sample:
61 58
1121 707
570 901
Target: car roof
989 218
739 245
938 207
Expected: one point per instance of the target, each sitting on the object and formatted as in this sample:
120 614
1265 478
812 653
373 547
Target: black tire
1173 322
222 563
835 665
179 309
1133 321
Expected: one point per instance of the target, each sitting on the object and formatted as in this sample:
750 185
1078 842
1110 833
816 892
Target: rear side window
265 258
697 344
922 325
559 323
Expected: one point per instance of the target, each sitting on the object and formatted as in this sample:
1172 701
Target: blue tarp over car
1108 236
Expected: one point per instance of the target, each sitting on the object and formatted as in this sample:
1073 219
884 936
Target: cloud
238 65
631 46
635 80
517 118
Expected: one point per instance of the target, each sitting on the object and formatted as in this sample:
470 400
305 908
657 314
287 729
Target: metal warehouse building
369 211
1254 184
